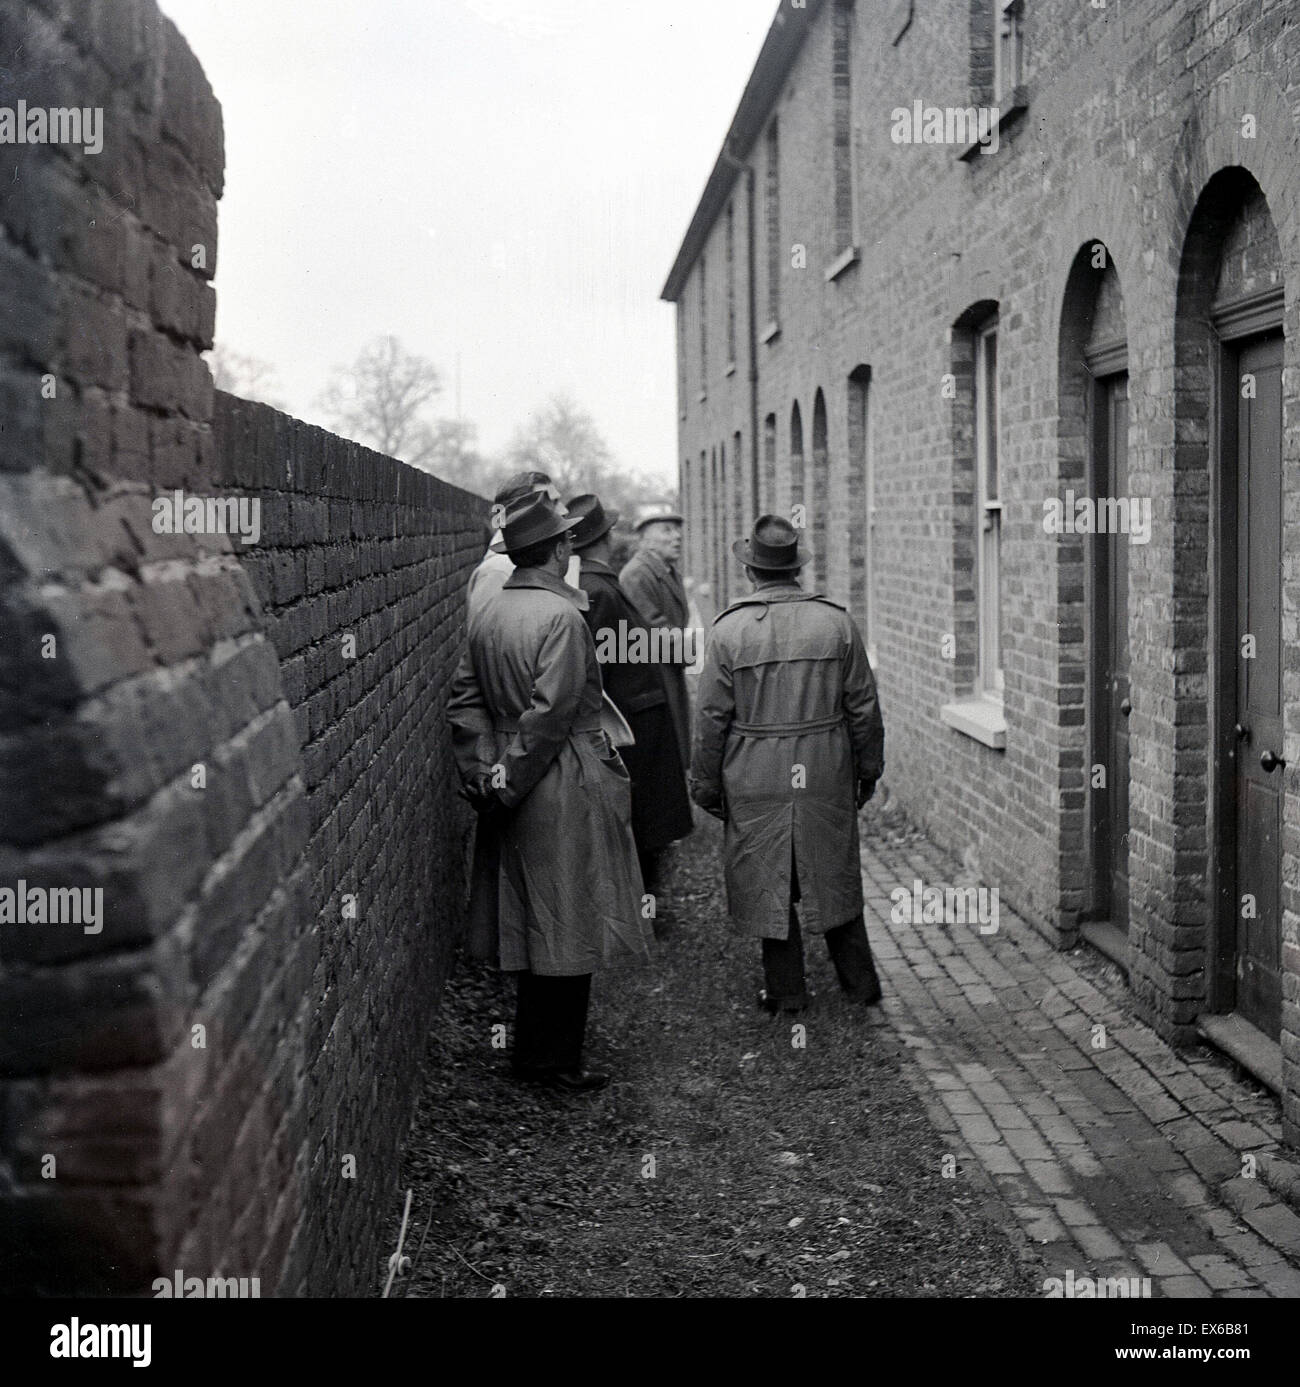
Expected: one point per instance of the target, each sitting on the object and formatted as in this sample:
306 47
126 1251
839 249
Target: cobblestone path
1117 1155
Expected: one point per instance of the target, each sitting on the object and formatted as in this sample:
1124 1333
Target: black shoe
566 1080
787 1005
869 995
579 1080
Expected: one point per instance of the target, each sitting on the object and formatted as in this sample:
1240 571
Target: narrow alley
975 1136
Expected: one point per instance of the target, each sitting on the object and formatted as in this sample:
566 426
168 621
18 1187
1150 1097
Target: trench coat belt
786 729
511 725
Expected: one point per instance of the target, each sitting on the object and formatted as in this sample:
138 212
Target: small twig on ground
478 1150
471 1266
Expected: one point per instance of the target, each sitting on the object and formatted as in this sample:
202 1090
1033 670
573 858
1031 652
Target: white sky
506 179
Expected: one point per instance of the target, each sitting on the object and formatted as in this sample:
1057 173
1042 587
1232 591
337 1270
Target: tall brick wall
182 728
360 574
1133 108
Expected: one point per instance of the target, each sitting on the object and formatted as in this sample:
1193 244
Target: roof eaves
780 49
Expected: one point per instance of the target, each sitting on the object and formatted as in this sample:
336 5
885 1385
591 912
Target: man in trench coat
564 896
661 807
496 567
789 745
650 578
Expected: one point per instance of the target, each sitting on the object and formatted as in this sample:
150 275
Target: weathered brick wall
360 572
181 729
1132 109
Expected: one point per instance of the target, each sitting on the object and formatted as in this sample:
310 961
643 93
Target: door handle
1271 762
1241 733
1126 707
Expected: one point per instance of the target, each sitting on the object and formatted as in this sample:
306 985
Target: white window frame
989 680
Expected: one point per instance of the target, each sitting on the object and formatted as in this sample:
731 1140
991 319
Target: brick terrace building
915 348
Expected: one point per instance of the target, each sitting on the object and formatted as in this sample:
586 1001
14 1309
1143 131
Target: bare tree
381 399
247 376
562 440
455 456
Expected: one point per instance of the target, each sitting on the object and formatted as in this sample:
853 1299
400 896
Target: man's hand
706 800
866 788
483 799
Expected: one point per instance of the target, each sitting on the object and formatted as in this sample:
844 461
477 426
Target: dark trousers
783 960
550 1023
650 863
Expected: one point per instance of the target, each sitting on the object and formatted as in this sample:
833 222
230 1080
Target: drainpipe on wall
751 187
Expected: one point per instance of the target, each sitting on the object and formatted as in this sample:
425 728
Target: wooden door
1253 468
1111 705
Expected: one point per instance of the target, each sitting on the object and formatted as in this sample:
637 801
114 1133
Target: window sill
1019 104
979 718
731 369
841 263
773 329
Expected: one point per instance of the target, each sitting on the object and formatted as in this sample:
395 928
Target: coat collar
780 591
658 566
540 578
599 566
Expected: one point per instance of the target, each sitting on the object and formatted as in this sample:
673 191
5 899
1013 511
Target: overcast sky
504 179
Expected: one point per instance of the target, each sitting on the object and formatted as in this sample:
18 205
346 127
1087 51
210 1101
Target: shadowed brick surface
182 727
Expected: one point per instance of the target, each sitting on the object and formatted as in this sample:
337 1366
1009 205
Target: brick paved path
1122 1161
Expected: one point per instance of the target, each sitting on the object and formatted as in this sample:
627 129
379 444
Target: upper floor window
772 208
842 105
731 283
1008 48
681 358
704 325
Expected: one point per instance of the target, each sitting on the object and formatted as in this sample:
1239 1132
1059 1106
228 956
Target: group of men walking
578 764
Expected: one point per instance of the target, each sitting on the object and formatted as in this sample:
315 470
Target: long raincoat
657 592
788 723
661 809
557 889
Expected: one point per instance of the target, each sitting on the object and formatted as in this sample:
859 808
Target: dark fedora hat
596 520
774 547
531 520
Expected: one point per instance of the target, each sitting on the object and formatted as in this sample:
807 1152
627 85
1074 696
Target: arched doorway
767 497
860 530
819 500
1100 521
715 542
724 530
1228 357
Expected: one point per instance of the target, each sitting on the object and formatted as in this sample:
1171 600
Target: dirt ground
731 1155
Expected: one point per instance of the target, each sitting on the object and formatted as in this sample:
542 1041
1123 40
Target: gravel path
726 1158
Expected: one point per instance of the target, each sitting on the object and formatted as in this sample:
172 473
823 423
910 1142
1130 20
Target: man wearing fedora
651 579
496 567
634 679
564 897
789 746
